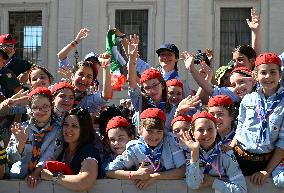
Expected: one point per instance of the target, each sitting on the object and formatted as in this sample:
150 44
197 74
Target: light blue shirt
172 155
248 127
50 149
226 91
227 167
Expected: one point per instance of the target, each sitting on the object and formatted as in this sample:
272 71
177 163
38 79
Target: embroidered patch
233 157
9 75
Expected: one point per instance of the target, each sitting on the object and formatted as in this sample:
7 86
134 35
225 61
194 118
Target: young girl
153 90
222 108
79 152
36 141
209 166
155 155
82 78
39 77
259 136
175 91
62 99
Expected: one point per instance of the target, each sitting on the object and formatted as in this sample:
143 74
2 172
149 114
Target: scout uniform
260 126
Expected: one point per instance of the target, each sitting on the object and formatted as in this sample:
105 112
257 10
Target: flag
117 79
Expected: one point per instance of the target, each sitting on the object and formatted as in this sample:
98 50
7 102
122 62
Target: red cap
153 113
220 100
117 121
186 118
61 85
175 82
203 115
243 70
7 39
267 58
56 166
149 74
40 90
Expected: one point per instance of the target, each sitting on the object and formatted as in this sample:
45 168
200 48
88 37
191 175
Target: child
82 78
175 91
222 108
241 80
39 77
155 155
209 166
63 96
36 141
259 136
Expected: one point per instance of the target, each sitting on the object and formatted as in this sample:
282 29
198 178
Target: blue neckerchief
161 105
228 138
173 75
265 113
155 160
211 158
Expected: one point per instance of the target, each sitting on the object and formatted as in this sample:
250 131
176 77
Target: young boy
155 155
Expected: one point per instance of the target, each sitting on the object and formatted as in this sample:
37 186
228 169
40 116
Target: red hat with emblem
186 118
153 113
267 58
203 114
175 82
7 39
40 90
61 85
117 121
220 100
149 74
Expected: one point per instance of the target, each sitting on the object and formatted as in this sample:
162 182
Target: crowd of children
68 133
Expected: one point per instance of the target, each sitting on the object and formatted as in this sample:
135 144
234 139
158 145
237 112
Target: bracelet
129 175
76 42
73 45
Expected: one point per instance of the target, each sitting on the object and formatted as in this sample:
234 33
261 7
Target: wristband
129 175
76 42
55 176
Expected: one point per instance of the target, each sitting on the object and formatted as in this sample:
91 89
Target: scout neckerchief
173 75
212 157
79 97
228 138
161 105
7 65
264 114
155 160
38 140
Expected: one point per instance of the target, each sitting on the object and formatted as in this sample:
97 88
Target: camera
201 56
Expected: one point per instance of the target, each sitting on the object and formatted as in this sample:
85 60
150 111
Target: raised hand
188 141
206 71
132 50
255 20
188 60
20 97
82 34
187 104
21 133
105 60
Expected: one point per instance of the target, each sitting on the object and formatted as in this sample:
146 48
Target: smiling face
63 101
175 94
224 119
205 133
82 79
41 108
153 88
241 85
118 138
38 78
71 129
268 75
242 60
167 60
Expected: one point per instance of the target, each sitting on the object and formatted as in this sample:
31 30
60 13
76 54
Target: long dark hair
246 50
87 133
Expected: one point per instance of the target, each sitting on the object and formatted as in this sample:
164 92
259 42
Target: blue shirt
172 155
248 127
226 91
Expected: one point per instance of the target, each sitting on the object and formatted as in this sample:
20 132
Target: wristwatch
55 176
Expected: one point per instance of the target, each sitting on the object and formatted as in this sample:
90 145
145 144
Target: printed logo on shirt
233 157
250 106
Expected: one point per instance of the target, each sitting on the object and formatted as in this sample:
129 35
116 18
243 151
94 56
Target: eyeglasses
154 86
8 45
44 108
